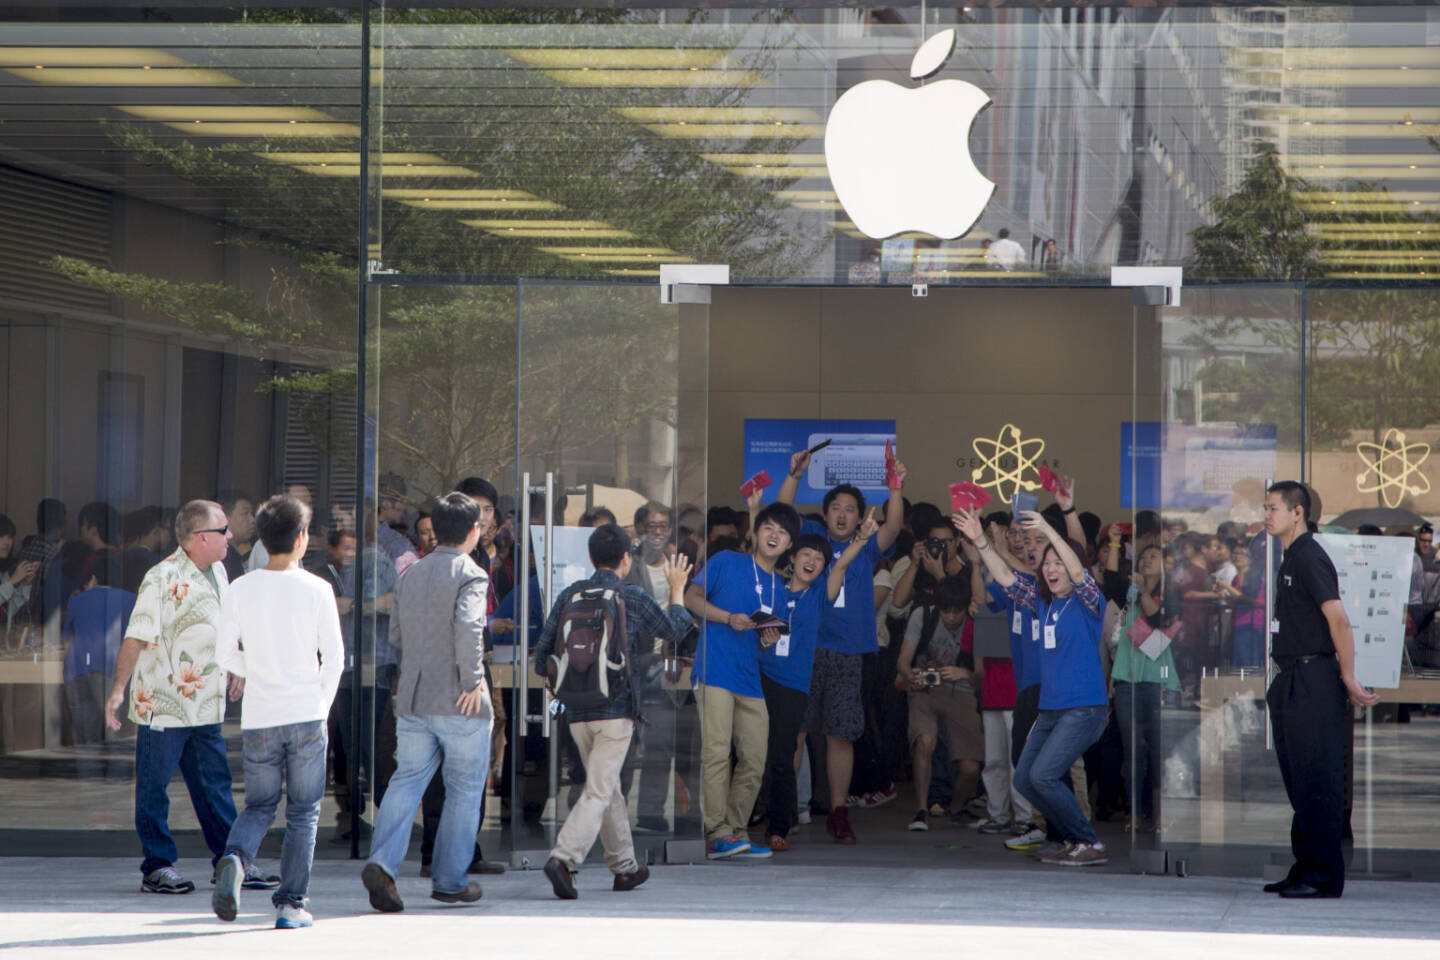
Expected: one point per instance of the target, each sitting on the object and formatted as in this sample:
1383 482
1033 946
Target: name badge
840 600
765 609
1034 631
1017 625
1049 636
782 647
1275 626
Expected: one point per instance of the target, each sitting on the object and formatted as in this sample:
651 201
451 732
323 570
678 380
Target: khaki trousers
727 718
601 808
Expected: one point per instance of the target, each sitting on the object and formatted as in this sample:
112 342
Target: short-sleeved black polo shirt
1306 580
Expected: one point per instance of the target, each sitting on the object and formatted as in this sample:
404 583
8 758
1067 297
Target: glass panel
1228 421
601 413
179 323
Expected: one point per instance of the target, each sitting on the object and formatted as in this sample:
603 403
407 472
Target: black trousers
1027 711
1309 713
786 707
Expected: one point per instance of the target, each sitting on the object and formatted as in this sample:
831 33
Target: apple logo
899 158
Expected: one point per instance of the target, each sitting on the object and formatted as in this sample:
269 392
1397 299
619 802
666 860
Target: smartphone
1021 502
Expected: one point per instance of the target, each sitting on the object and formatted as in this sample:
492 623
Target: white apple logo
899 158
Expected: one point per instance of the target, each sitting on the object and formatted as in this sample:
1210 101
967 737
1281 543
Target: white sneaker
290 917
803 816
1028 840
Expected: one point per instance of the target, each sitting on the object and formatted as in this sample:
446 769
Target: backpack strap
927 630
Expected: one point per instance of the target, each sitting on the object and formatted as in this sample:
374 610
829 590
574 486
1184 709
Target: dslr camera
930 678
936 547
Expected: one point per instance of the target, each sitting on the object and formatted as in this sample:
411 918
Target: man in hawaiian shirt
177 698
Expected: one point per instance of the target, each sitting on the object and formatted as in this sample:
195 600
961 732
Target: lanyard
1054 616
759 593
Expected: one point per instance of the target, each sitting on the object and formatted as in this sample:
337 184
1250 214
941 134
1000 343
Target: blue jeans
460 747
1058 739
294 752
199 752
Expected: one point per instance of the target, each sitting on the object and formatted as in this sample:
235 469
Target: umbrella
1379 516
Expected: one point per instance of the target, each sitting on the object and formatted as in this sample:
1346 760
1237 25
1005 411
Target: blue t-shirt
728 658
1024 635
803 611
1071 672
848 625
94 629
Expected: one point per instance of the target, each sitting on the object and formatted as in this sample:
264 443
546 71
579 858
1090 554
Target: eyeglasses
657 527
220 530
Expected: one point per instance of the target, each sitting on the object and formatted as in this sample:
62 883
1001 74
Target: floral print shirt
178 681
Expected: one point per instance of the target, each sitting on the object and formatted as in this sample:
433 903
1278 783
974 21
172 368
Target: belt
1288 662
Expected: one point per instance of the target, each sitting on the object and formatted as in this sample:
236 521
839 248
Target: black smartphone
1021 502
818 447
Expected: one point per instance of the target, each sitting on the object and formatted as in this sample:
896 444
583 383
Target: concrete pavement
79 907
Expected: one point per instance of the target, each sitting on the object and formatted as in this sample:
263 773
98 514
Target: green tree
1259 230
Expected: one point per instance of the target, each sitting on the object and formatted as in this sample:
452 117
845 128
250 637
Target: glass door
611 426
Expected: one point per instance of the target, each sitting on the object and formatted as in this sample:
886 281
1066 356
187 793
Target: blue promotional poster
1185 466
854 455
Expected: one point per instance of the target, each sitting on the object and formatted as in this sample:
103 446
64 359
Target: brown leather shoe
470 894
383 895
629 881
560 879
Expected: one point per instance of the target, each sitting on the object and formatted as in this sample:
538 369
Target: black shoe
1303 891
481 866
629 881
470 894
657 824
1278 885
561 879
383 895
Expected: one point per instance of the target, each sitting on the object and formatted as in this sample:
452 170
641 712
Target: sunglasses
220 530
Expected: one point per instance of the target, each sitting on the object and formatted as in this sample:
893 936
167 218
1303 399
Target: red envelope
892 479
967 496
1049 480
760 481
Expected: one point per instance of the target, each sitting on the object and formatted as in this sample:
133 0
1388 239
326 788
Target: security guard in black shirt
1310 697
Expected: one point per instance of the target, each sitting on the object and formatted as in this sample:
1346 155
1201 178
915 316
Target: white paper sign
1374 575
570 562
1157 643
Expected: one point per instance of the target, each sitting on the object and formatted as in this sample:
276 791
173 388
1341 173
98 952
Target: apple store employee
1310 697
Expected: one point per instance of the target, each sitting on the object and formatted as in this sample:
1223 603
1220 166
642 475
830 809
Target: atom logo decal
1392 468
1007 457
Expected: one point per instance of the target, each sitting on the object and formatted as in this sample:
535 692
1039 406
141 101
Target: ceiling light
539 224
738 131
656 78
586 234
765 159
353 170
501 204
629 251
289 128
720 114
227 114
128 76
757 170
350 157
618 57
89 57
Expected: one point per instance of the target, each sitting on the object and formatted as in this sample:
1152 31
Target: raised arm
904 587
1065 499
836 579
799 463
894 512
1074 567
968 523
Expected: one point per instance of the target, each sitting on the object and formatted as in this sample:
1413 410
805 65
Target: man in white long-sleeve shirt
280 630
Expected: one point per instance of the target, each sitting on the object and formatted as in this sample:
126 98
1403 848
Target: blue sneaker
757 851
722 848
290 917
225 900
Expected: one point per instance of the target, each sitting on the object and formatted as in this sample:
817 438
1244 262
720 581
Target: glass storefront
359 253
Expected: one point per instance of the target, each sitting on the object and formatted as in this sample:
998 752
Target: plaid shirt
1025 591
643 619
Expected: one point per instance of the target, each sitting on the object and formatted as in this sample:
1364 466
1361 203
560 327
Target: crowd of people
1011 669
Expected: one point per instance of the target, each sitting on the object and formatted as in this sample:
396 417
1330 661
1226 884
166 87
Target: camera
936 547
930 678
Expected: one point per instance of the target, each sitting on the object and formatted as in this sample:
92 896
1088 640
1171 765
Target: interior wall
948 368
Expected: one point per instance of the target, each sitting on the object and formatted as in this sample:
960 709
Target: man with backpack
587 647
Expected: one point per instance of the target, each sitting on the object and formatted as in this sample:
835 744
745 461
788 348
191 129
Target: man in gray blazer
442 708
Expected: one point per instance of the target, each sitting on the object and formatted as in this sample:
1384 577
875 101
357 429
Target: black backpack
589 662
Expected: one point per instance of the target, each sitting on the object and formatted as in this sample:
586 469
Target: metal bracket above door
690 282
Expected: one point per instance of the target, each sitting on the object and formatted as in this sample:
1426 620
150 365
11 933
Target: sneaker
757 851
165 880
562 879
225 899
963 818
467 894
838 825
257 879
803 816
1052 852
629 881
1085 855
993 827
937 810
1028 840
919 823
722 848
1019 827
290 917
854 800
878 798
383 895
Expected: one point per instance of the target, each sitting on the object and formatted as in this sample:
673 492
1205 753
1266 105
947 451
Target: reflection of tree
445 357
1372 353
